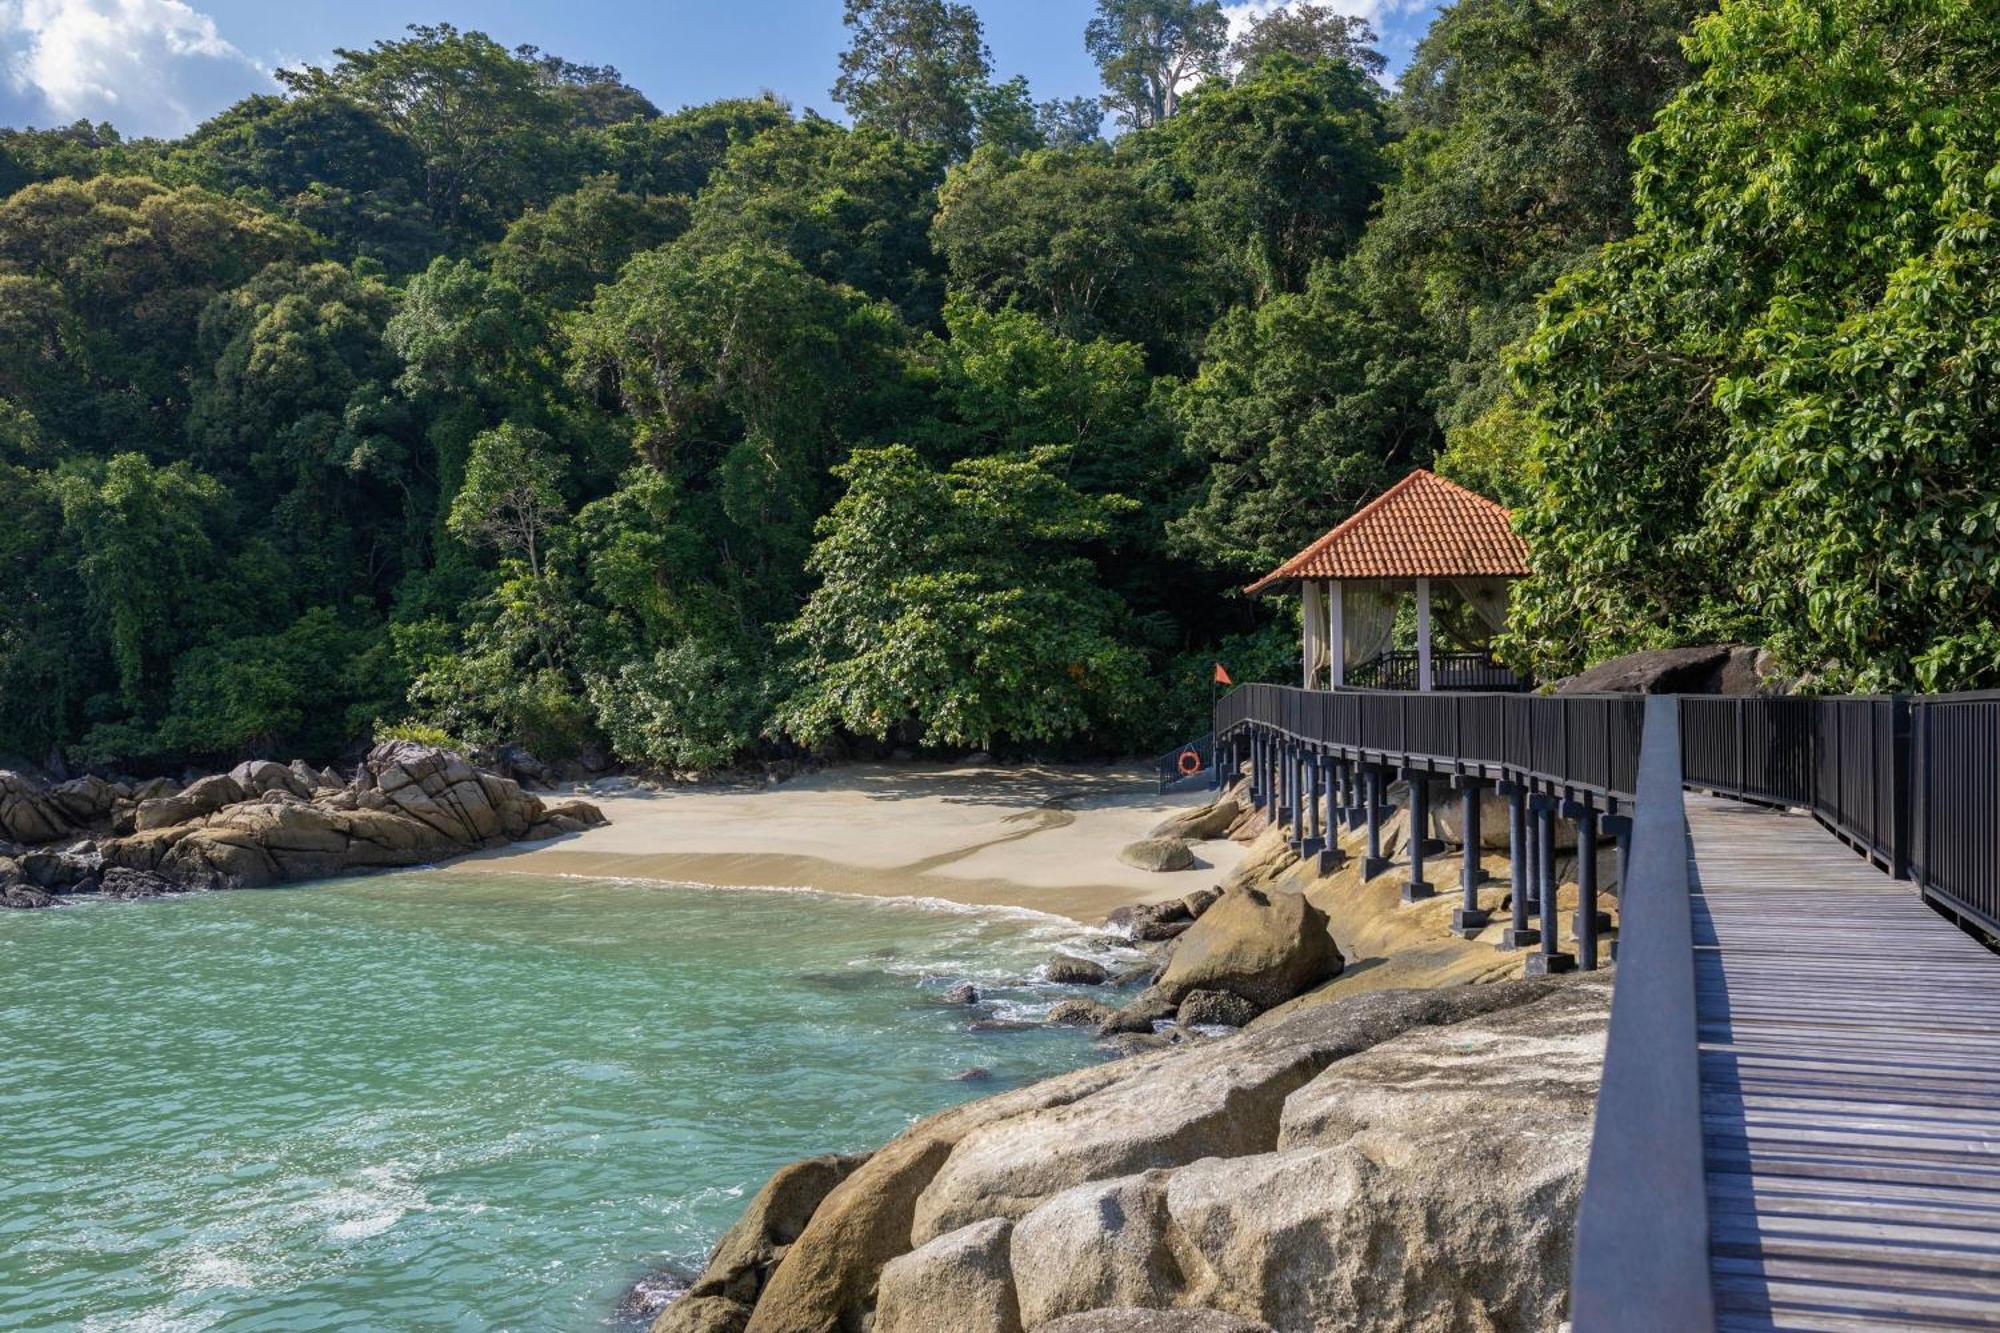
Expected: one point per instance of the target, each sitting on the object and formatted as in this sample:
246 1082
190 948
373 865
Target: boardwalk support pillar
1315 801
1418 887
1550 959
1585 927
1519 934
1373 863
1469 919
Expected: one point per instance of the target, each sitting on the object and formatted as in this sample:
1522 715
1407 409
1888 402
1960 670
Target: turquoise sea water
435 1101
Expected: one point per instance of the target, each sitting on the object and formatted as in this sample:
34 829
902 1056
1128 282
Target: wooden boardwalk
1850 1062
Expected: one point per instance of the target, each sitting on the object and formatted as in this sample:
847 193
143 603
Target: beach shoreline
1040 837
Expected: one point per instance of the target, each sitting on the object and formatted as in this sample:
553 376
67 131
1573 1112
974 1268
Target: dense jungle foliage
460 388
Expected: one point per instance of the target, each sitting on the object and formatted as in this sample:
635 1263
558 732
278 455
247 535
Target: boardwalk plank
1851 1086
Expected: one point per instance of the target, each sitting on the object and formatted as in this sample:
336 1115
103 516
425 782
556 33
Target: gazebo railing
1449 671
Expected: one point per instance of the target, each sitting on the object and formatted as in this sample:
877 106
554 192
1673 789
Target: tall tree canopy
915 68
1151 52
459 387
1308 32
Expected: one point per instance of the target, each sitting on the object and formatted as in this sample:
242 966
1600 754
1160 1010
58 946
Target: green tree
561 254
1151 52
327 162
853 206
1515 169
676 155
1005 117
1285 165
482 118
742 375
1308 33
1303 408
589 96
144 553
914 68
954 607
1078 238
106 281
1768 413
287 412
1072 122
512 496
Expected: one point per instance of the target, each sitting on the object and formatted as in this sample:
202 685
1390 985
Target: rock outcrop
265 823
1263 946
1401 1160
1201 822
962 1281
1717 669
1158 854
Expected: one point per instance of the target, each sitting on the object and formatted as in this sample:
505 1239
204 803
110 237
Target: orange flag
1222 676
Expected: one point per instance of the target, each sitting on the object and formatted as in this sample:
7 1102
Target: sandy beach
1045 838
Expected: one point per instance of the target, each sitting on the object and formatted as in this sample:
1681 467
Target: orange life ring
1190 762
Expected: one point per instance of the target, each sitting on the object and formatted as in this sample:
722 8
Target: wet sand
1045 838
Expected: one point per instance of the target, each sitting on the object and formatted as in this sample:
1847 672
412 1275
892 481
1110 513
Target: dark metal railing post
1418 888
1469 919
1906 792
1519 934
1550 959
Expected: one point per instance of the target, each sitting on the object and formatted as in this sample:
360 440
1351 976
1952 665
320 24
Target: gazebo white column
1336 634
1424 634
1312 624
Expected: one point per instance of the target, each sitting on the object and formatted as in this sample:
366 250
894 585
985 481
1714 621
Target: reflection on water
429 1101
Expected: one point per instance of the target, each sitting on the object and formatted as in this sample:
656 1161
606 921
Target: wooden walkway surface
1850 1056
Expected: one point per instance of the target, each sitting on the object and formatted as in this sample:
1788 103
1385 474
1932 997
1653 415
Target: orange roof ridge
1421 527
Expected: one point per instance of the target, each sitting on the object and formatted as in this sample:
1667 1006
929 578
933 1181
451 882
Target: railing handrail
1906 780
1641 1261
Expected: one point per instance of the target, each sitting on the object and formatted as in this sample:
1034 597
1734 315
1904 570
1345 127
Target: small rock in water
838 981
25 896
1065 970
976 1074
1080 1013
963 993
649 1295
998 1025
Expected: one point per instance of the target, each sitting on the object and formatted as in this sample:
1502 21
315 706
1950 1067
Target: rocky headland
1296 1139
262 823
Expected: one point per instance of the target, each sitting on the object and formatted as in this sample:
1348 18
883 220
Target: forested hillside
459 387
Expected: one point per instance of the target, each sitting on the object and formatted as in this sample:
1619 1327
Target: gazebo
1455 551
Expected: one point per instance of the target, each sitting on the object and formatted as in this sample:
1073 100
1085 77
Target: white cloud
148 66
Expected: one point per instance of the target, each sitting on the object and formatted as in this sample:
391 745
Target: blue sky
161 66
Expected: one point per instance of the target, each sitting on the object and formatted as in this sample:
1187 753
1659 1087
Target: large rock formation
1263 946
1716 669
1402 1160
266 823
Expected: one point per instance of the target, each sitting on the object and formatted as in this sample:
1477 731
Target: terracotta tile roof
1422 527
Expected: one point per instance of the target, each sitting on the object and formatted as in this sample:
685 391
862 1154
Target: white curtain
1488 600
1369 619
1315 656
